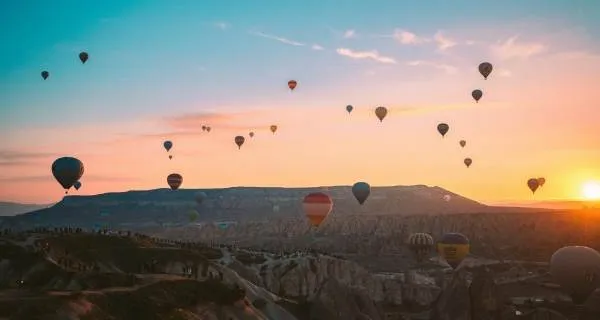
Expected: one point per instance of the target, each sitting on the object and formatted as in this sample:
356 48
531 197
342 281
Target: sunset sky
158 70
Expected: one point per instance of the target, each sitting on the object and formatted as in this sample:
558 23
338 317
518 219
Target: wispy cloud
407 37
277 38
9 158
349 34
446 67
317 47
443 42
511 49
222 25
370 55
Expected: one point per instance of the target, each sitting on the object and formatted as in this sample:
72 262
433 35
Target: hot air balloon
468 162
239 140
77 185
83 56
193 215
251 134
45 74
533 184
477 94
485 68
420 244
273 128
67 171
200 197
174 180
168 145
577 270
541 181
349 108
203 128
447 197
381 112
453 247
292 84
361 191
443 128
463 143
317 206
208 129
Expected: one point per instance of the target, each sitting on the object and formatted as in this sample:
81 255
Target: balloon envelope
67 171
174 180
317 206
251 134
361 191
453 247
239 140
45 74
577 270
541 181
443 128
420 244
83 56
273 128
168 145
77 185
485 68
468 162
349 108
463 143
477 94
381 112
533 184
292 84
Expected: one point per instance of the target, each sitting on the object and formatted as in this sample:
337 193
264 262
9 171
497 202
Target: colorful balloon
577 270
485 68
381 112
67 171
239 140
349 108
174 180
443 128
420 244
468 162
292 84
453 247
361 191
83 56
477 94
317 206
45 74
273 128
533 184
463 143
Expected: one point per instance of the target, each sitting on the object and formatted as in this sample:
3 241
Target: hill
137 209
13 208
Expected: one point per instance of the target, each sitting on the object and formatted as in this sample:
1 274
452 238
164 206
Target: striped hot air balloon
174 180
292 84
420 244
317 206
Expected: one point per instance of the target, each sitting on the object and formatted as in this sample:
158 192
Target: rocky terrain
11 208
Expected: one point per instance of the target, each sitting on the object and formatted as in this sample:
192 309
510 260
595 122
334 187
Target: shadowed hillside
12 208
135 209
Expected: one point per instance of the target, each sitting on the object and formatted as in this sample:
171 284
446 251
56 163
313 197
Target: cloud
349 34
407 37
277 38
510 49
317 47
9 158
222 25
372 55
446 67
443 42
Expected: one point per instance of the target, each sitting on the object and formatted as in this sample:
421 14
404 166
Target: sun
591 190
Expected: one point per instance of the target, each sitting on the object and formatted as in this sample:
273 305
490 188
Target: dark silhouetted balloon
67 171
541 181
468 162
477 94
443 128
239 140
361 191
77 185
174 180
462 143
577 270
251 134
533 184
381 112
292 84
485 68
273 128
45 74
84 56
349 108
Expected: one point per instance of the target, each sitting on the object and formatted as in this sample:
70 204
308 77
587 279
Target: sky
159 70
